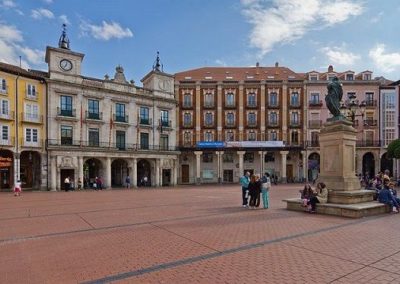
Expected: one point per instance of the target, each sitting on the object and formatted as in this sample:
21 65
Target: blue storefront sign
210 144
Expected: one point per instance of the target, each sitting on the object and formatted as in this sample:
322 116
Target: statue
333 98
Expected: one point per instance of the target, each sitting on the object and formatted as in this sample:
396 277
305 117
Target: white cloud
19 12
64 20
12 46
386 62
8 4
105 31
42 13
48 1
338 55
377 18
285 21
220 62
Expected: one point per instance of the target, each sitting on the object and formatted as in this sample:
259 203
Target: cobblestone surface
188 234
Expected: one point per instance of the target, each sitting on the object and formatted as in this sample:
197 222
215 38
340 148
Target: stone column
175 172
134 172
58 179
53 171
283 165
305 164
219 165
198 169
262 153
107 177
241 168
157 173
80 169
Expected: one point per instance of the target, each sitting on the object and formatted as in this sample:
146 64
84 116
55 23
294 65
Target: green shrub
393 150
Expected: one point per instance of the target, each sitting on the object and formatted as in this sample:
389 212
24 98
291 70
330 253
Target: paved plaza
188 234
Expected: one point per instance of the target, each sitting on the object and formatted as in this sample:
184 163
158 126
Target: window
314 139
4 132
208 136
294 137
144 115
165 118
251 100
66 135
94 137
252 136
207 157
187 119
314 98
31 135
31 112
209 100
230 99
187 100
144 140
273 99
295 99
31 91
248 157
349 77
230 119
209 119
227 158
367 76
120 139
93 109
313 77
187 138
251 118
230 136
164 142
228 175
273 136
4 111
273 118
120 112
3 86
369 99
294 118
66 106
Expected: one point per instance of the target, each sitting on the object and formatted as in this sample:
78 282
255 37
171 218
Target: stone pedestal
338 166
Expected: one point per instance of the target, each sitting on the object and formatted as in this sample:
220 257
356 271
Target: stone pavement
188 234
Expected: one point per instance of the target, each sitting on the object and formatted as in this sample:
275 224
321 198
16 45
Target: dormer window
349 77
366 76
313 77
330 77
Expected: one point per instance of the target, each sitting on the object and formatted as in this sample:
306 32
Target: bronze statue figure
333 98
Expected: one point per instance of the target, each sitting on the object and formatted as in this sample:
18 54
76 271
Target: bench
356 210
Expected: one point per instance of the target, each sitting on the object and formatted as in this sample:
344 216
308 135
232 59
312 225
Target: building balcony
251 105
33 97
315 103
312 143
229 105
294 124
251 124
209 105
3 90
314 124
273 124
166 123
31 144
145 121
370 123
369 143
7 142
230 124
66 112
32 118
7 116
209 124
273 105
370 103
187 124
294 104
93 115
119 118
187 105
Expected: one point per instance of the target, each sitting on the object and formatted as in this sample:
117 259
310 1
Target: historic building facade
22 128
363 89
225 116
109 128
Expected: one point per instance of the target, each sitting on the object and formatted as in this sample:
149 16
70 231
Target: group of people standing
253 187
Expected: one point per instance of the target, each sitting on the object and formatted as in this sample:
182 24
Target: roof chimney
257 64
277 64
330 68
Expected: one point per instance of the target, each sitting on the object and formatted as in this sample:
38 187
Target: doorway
64 173
143 173
289 173
185 173
166 177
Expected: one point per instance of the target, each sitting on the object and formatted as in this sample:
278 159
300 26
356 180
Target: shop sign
210 144
5 162
254 144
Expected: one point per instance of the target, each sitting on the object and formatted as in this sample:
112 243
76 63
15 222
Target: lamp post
350 108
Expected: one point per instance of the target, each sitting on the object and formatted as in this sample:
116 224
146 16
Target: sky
303 35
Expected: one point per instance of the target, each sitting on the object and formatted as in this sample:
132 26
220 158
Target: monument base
350 197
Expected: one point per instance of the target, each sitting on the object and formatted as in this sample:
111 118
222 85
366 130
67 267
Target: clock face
65 64
164 85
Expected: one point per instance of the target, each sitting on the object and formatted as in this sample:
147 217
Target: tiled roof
13 69
238 74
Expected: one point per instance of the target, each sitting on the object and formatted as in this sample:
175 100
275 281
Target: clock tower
158 81
61 60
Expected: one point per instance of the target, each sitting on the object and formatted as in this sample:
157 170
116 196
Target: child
17 188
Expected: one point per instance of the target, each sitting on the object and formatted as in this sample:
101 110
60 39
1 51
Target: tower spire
63 42
157 66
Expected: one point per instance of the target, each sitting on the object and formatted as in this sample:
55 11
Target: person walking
17 188
67 183
128 181
266 186
244 182
99 183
